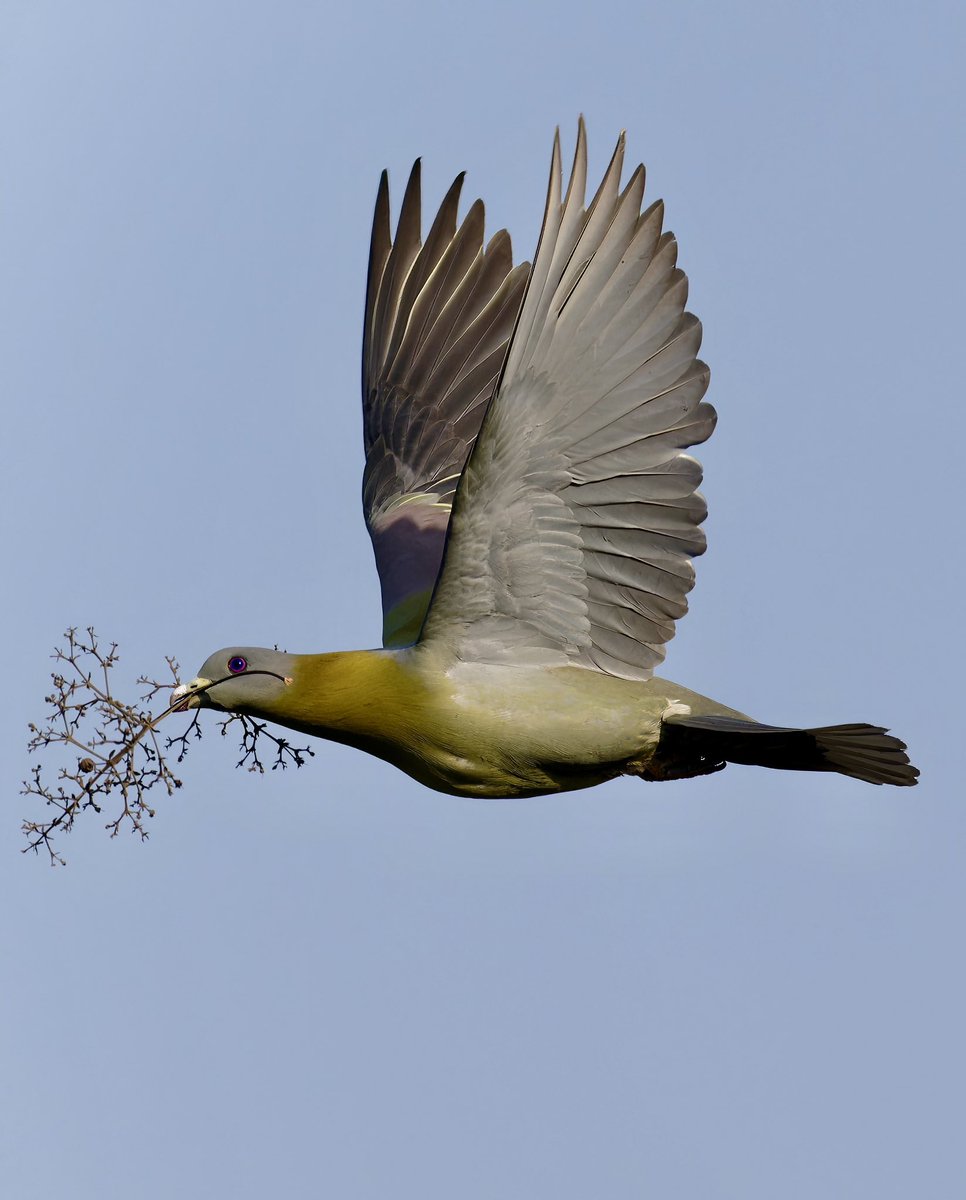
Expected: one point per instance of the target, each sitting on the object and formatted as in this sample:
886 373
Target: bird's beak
187 691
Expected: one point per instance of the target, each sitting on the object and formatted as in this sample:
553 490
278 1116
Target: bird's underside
499 731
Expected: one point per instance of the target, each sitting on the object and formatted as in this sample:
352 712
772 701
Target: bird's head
239 679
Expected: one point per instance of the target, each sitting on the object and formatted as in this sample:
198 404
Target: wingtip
380 213
415 176
453 193
577 185
409 221
556 168
581 148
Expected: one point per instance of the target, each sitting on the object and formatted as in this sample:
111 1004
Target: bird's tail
866 752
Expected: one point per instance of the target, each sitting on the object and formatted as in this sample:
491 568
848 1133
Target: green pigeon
533 514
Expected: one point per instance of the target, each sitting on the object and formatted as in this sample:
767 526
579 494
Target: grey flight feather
577 515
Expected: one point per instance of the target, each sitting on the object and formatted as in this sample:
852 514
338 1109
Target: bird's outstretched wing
577 517
438 318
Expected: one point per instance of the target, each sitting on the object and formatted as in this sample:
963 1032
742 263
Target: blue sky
337 982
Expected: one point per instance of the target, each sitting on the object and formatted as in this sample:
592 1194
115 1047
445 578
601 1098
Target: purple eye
237 664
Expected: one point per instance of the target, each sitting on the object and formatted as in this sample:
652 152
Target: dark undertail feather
865 752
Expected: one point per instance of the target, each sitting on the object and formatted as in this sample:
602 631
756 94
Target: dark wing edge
438 320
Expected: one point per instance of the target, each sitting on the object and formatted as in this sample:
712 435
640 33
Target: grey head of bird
239 678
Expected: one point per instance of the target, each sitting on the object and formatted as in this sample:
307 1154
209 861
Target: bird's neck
353 696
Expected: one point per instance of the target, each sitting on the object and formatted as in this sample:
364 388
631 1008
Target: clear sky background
337 983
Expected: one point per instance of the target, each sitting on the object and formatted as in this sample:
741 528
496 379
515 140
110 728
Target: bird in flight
534 516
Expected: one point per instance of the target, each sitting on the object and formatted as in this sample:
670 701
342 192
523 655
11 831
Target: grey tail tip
866 752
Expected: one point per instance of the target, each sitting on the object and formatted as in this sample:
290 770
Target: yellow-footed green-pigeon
533 515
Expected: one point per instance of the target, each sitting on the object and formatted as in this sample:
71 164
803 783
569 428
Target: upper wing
577 516
438 318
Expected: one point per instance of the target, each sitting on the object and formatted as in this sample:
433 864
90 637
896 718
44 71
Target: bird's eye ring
237 664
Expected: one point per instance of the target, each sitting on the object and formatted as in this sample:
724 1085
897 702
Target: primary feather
438 318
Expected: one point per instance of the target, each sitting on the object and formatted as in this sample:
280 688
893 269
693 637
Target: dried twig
117 745
285 753
113 748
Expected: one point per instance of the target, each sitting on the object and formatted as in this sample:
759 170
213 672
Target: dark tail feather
865 752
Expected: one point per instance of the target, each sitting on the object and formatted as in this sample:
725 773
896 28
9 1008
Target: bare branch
118 750
110 751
